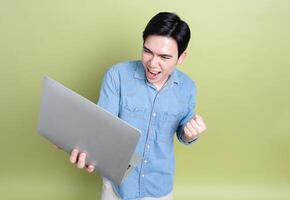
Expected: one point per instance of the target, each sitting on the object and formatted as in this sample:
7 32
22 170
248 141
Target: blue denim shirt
127 94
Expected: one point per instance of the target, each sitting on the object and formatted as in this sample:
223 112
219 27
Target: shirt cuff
188 142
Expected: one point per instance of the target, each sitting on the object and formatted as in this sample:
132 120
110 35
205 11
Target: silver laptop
72 121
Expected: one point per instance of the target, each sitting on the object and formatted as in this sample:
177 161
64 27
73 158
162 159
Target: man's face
160 57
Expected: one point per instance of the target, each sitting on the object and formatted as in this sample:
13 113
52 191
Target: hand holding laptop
79 158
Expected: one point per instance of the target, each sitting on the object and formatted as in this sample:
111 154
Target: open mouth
152 74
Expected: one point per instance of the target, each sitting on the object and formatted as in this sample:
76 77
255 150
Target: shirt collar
174 78
140 74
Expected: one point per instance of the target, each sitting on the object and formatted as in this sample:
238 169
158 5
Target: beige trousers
109 194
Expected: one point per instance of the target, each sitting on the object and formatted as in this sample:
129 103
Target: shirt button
143 175
145 161
154 114
148 146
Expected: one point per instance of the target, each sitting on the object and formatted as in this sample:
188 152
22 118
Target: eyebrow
163 55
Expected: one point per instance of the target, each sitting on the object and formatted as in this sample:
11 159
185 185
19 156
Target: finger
191 128
90 168
192 133
81 161
200 122
188 135
195 125
74 156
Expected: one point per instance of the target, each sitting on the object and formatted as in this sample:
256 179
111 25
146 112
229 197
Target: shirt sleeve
110 92
189 115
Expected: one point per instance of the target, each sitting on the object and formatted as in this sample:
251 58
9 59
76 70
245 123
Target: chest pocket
132 111
168 124
129 111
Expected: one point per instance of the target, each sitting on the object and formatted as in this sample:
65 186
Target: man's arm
191 125
110 92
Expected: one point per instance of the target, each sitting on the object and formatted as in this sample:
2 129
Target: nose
153 61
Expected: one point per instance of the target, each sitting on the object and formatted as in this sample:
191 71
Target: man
159 100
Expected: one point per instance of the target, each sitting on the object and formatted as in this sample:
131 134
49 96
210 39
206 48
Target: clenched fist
194 128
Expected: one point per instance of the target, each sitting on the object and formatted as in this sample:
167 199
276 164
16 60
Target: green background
239 57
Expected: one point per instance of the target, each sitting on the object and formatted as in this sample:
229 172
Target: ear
182 57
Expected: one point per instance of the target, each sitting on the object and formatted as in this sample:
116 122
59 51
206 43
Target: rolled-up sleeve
110 92
189 115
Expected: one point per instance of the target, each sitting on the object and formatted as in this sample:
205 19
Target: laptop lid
72 121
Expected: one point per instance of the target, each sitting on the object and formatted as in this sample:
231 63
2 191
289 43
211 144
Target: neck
159 86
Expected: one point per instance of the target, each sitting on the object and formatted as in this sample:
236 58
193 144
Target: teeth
153 72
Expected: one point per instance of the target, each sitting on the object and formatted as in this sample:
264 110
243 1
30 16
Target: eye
146 51
165 57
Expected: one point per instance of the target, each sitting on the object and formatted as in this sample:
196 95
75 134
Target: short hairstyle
169 25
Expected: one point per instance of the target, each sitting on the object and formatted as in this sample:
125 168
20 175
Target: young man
159 100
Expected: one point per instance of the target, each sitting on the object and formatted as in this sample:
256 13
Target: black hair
169 25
